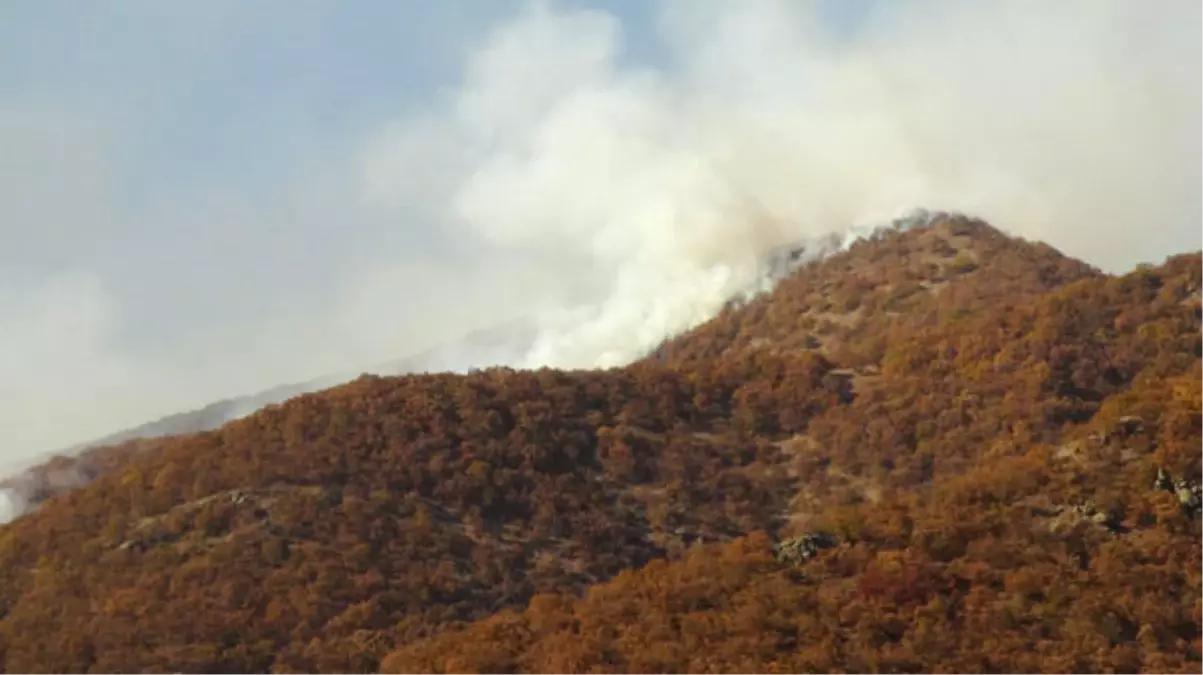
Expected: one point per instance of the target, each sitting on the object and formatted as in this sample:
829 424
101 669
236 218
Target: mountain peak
840 294
848 298
934 417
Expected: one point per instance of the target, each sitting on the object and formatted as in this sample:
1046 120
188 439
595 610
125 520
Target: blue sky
201 80
221 104
162 155
197 81
212 103
203 198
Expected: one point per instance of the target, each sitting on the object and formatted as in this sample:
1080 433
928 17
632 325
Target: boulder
803 548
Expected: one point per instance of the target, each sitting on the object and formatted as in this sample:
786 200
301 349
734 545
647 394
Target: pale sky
204 198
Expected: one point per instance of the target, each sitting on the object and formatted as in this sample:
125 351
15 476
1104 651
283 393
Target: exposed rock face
803 548
1090 511
1084 518
1189 493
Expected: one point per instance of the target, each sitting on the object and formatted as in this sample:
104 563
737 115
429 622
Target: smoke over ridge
663 188
611 200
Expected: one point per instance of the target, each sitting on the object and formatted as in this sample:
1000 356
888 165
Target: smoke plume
662 187
609 196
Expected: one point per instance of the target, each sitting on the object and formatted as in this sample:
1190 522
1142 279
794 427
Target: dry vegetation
978 423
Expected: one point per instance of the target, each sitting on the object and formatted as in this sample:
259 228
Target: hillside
76 466
974 454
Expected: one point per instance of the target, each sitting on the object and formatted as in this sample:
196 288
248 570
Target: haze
203 199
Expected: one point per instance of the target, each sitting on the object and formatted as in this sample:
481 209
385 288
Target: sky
205 198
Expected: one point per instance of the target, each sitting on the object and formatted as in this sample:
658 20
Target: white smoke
12 504
1075 122
620 201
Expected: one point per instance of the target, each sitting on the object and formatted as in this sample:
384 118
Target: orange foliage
976 419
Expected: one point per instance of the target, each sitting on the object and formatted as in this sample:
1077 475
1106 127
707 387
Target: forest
943 450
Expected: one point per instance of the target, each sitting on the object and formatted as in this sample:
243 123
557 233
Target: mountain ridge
978 424
72 467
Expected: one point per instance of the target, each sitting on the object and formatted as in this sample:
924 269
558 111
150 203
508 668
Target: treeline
1000 442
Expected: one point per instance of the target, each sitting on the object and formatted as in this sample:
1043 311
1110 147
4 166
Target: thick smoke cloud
1074 122
613 202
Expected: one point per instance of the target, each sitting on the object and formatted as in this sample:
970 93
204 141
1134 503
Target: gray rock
1088 510
1189 493
803 548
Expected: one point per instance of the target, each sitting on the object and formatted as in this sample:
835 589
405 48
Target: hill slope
76 466
969 427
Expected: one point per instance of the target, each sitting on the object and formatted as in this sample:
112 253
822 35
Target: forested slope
74 467
1020 495
987 450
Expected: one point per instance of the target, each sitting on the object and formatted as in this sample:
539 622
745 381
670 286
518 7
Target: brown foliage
941 400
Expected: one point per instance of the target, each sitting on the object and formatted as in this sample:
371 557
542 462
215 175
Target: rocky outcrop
1091 512
800 549
1189 493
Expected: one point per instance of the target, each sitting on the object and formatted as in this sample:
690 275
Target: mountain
73 467
78 465
943 448
482 346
